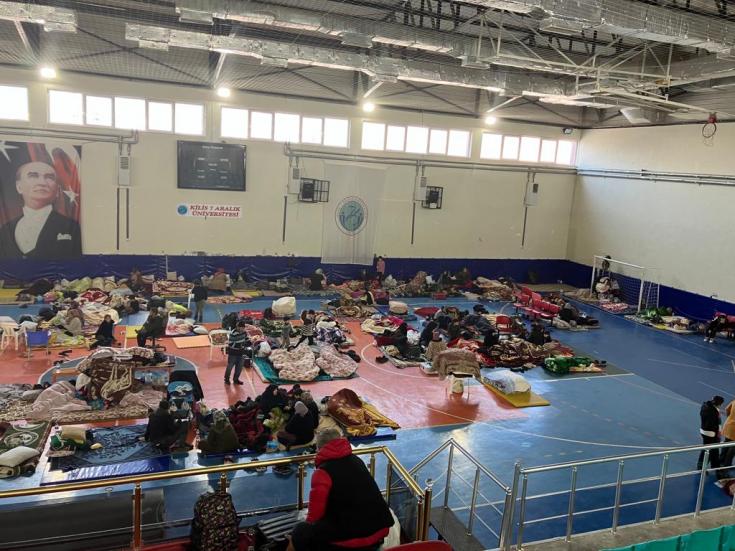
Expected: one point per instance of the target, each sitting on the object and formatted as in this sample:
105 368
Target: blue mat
101 472
119 445
271 375
383 433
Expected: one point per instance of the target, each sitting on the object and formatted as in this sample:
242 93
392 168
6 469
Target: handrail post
427 509
223 482
700 491
473 503
503 536
420 518
388 480
300 487
372 465
509 513
570 512
137 517
661 487
522 514
618 495
447 486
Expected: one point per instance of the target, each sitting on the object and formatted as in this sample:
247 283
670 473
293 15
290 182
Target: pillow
397 307
18 455
31 395
74 432
200 330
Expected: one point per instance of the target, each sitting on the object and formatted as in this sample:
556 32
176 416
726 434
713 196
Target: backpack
215 526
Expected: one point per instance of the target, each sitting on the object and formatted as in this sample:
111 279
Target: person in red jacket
347 511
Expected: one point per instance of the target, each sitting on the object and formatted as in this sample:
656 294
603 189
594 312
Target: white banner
209 211
351 216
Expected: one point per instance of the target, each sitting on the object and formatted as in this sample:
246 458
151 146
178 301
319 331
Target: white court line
685 400
690 365
713 387
581 378
501 428
391 372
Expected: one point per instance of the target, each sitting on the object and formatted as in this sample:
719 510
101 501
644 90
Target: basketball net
708 141
709 130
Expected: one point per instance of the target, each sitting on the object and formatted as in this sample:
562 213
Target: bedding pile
335 364
172 288
357 417
507 382
455 360
298 364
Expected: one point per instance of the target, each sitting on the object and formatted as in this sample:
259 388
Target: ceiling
579 63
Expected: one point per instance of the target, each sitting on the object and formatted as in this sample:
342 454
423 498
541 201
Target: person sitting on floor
309 402
714 327
490 338
221 437
104 335
153 328
346 508
300 427
163 431
539 335
435 347
272 397
72 324
427 333
317 281
135 283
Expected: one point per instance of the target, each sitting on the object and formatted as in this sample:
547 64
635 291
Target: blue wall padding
260 268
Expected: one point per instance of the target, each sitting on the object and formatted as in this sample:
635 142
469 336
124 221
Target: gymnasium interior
482 245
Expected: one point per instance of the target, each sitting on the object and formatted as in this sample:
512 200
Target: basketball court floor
648 401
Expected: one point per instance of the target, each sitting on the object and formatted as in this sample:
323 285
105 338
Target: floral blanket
335 364
295 365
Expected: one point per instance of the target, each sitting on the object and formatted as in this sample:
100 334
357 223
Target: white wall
683 231
482 215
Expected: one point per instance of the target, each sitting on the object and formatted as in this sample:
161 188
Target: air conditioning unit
532 194
123 170
433 198
420 193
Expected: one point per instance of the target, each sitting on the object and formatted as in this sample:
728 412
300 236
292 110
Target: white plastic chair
11 331
213 344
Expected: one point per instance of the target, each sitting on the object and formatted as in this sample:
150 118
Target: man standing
346 507
41 232
236 346
710 432
199 295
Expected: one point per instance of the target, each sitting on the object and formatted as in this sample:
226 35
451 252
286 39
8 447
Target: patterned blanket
30 435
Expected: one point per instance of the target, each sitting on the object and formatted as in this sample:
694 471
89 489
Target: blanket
494 290
295 365
30 435
335 364
475 347
269 375
455 360
516 352
119 444
172 288
379 327
357 417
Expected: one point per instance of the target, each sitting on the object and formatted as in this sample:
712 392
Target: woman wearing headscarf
270 399
222 437
428 333
300 427
308 400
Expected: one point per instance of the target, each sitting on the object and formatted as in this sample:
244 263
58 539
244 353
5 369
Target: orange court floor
408 396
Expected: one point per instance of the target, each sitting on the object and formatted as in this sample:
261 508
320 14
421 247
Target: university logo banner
40 196
350 218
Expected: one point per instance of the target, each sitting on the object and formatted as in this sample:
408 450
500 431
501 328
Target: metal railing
521 479
452 445
394 468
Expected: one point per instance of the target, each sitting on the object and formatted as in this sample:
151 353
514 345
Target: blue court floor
650 403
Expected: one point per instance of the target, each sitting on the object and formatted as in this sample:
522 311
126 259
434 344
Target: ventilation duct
379 68
628 18
52 19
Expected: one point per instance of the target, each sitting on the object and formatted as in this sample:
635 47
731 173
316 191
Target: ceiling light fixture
490 119
368 107
223 92
48 72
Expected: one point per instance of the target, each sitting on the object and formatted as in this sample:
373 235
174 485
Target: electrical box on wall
294 182
532 193
123 170
420 193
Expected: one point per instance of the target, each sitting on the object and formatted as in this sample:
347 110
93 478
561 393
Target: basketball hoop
709 130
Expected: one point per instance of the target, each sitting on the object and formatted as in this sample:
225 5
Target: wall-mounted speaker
532 194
